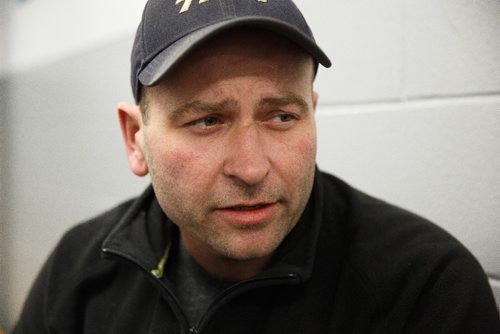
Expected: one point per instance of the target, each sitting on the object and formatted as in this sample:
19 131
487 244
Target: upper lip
247 205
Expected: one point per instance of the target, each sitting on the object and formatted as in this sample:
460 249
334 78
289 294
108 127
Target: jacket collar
142 234
145 232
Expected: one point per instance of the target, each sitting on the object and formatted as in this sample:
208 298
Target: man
240 233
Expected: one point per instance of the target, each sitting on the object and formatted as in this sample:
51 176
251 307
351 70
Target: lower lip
249 218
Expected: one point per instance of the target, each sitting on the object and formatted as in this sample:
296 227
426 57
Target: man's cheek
191 172
301 152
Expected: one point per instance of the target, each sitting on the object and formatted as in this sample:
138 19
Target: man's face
230 144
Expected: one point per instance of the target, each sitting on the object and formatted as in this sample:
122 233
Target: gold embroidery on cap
187 4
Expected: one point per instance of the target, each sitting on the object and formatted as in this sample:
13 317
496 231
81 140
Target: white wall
45 31
66 65
410 112
3 35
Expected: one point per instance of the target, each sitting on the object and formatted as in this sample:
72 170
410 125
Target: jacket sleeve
457 299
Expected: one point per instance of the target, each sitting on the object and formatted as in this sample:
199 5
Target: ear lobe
131 126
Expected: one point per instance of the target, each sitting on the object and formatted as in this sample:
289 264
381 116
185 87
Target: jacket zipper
234 290
154 275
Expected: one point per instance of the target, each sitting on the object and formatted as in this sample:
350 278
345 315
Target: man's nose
246 157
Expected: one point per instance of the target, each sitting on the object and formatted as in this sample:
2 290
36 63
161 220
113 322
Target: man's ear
132 127
315 99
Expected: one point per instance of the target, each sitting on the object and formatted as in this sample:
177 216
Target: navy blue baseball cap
170 29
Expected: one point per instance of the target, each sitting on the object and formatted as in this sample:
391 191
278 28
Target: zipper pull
193 330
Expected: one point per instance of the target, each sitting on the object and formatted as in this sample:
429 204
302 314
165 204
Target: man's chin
250 253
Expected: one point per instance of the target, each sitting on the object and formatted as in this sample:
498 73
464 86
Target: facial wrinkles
201 107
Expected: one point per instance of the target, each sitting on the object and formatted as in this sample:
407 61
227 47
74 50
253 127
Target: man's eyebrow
287 99
200 107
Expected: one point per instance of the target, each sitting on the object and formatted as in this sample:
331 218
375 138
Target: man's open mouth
248 208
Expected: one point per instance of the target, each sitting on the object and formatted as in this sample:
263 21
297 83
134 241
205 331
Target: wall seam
494 278
467 98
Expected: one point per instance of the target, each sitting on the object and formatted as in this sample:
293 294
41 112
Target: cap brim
174 54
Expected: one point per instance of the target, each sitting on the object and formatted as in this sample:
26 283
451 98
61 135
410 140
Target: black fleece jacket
353 264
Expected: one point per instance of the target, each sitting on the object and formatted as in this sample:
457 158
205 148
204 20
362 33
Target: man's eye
283 118
206 122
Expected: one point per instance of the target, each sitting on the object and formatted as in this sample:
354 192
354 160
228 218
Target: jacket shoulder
409 267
